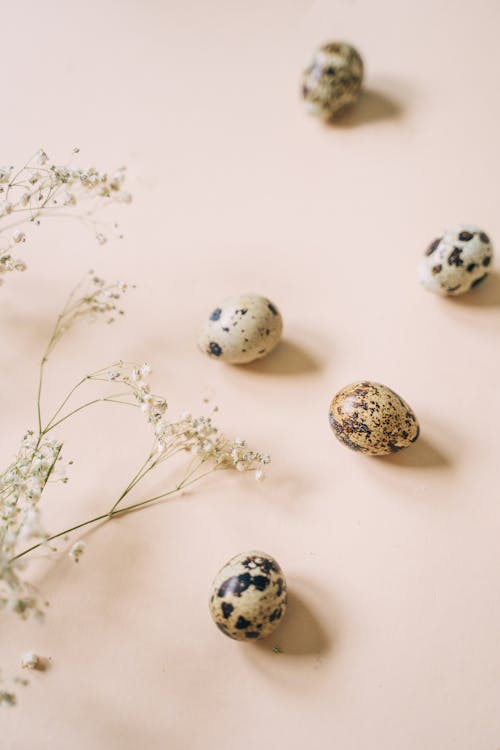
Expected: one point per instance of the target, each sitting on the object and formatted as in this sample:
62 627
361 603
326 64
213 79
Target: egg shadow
299 634
372 106
423 454
289 358
486 294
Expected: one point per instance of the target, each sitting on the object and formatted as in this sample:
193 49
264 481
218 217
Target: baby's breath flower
41 157
42 187
196 440
69 199
7 698
6 208
30 660
5 173
77 550
93 298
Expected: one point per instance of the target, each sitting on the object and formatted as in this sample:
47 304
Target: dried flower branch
38 461
41 187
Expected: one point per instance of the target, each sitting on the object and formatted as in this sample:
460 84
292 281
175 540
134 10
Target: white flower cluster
41 187
23 483
77 550
196 435
7 698
99 298
92 299
134 377
21 487
31 660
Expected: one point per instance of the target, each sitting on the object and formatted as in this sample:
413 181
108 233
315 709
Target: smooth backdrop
392 636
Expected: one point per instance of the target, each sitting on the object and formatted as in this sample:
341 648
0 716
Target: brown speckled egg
457 261
248 598
372 419
241 329
333 79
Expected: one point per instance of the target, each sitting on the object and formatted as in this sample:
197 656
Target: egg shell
241 329
371 418
249 596
456 261
333 80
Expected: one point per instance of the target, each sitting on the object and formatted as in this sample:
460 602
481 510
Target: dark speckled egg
248 598
456 261
241 329
333 79
372 419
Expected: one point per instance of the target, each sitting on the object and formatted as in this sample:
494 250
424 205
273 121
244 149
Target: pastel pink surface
391 639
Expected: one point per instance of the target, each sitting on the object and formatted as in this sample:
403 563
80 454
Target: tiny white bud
77 550
41 157
69 199
30 660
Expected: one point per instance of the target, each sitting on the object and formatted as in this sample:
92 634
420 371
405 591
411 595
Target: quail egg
241 329
456 261
333 79
372 419
249 596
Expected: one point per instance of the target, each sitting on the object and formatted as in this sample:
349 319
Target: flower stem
101 399
145 468
39 394
64 402
111 514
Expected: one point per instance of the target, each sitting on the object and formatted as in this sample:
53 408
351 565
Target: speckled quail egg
456 261
248 598
372 419
333 79
241 329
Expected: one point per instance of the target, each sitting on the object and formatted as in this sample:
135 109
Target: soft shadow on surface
486 294
288 358
372 106
300 633
421 455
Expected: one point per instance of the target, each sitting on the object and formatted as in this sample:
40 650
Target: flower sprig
39 459
42 187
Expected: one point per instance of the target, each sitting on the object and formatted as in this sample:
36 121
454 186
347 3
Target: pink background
392 636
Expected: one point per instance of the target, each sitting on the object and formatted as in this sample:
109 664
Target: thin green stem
149 464
101 399
91 376
39 394
109 515
64 402
143 470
